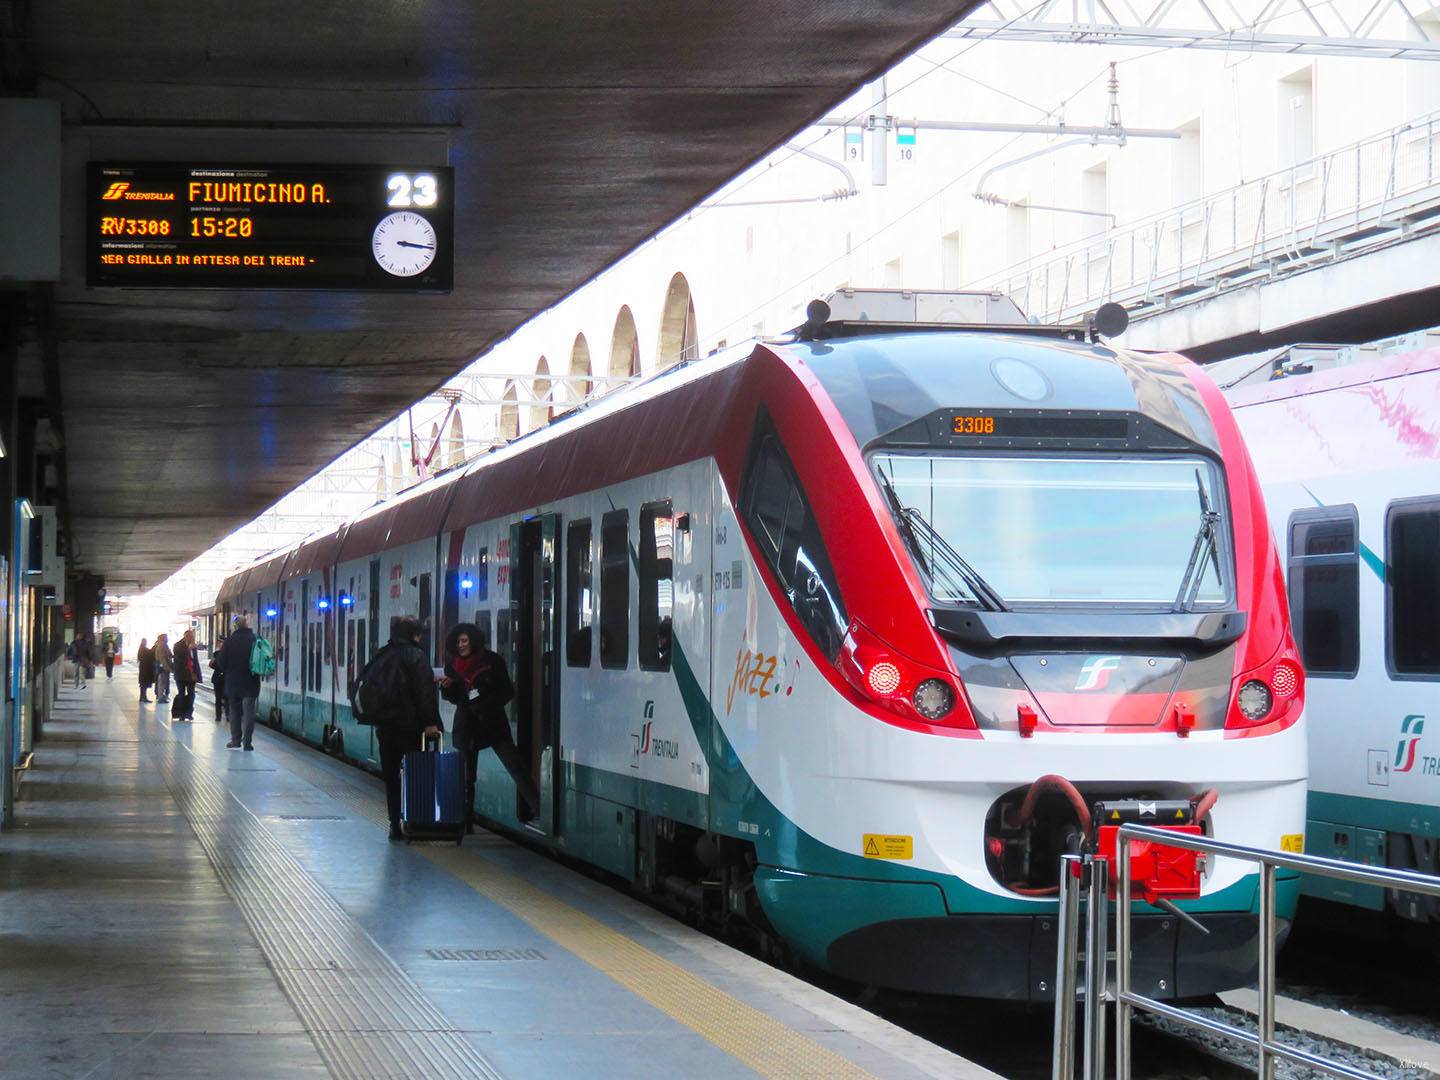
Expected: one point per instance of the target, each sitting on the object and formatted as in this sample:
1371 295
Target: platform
171 908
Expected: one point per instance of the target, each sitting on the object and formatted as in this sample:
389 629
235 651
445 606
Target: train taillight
1270 694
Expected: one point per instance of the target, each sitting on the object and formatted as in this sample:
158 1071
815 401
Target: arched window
455 452
541 414
580 384
679 339
624 347
509 414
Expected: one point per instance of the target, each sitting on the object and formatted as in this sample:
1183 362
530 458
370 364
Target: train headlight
933 699
1254 700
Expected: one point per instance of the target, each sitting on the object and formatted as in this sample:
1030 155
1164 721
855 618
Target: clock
403 244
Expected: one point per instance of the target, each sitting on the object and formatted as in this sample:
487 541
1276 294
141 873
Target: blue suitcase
432 795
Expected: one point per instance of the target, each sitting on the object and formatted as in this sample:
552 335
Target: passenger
478 685
109 651
400 683
75 653
187 674
217 680
164 664
242 686
145 661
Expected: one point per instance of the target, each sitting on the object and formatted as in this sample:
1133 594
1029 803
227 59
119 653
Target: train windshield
999 531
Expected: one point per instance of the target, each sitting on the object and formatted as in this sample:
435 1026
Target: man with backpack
396 695
237 660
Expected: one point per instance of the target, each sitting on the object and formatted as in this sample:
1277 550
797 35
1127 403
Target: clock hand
407 243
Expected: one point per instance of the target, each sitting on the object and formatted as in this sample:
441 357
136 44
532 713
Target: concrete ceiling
576 131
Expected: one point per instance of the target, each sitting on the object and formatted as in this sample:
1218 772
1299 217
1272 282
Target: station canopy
574 132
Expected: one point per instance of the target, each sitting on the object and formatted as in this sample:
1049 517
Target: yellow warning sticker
1293 843
876 846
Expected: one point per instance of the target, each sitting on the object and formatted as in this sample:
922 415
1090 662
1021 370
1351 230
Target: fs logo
1410 730
116 191
1095 675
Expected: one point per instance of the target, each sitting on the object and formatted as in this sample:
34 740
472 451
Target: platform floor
171 908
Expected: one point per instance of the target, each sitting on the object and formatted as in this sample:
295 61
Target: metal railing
1093 875
1312 210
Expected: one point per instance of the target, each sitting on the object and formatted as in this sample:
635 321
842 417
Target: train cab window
1412 588
657 584
778 515
1325 589
579 599
615 589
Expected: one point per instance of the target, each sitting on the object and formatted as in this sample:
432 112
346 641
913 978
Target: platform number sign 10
411 190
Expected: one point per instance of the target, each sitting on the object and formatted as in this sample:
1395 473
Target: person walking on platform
76 652
398 690
164 664
217 680
109 651
242 686
145 661
187 675
478 685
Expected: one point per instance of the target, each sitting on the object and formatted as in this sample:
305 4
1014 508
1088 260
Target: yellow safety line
764 1044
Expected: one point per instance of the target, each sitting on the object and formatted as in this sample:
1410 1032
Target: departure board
166 225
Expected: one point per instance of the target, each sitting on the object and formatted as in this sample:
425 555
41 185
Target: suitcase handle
426 740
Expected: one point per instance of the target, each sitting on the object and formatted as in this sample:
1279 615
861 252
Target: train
843 639
1347 445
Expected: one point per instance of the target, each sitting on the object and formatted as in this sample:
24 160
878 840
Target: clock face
403 244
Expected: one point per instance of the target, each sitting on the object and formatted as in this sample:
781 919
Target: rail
1293 218
1091 874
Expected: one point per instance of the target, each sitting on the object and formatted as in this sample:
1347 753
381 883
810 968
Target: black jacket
187 665
400 679
232 665
146 658
477 719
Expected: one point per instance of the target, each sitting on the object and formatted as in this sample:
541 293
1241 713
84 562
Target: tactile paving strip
366 1016
766 1045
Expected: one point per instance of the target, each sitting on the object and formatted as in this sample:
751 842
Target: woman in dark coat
187 674
478 685
145 660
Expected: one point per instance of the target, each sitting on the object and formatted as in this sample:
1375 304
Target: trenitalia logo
1411 729
1095 675
121 190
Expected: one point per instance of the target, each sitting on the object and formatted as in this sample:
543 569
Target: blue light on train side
323 603
467 583
270 613
346 599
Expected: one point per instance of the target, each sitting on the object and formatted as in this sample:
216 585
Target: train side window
502 634
1412 588
657 584
615 590
482 575
579 600
1325 589
774 507
482 622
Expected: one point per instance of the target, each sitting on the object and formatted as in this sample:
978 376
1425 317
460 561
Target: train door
304 652
534 551
427 615
374 627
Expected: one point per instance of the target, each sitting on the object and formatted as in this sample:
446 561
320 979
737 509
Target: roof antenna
817 314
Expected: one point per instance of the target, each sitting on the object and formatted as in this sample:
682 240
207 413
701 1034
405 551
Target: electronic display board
168 225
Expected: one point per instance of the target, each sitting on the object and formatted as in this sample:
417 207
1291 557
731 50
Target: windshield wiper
1205 549
918 531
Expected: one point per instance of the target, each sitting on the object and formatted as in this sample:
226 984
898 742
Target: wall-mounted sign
170 226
